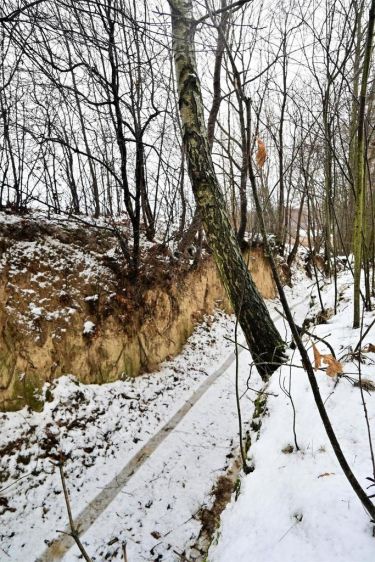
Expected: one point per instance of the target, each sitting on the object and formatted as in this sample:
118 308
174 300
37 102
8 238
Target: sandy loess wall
64 310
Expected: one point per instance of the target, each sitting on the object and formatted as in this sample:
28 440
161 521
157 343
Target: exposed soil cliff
66 307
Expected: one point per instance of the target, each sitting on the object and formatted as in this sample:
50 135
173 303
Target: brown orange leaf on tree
261 155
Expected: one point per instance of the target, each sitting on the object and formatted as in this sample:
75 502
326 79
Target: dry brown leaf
370 348
366 384
261 155
327 359
334 367
317 357
326 474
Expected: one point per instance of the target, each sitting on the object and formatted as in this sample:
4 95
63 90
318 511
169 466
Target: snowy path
158 494
158 505
97 506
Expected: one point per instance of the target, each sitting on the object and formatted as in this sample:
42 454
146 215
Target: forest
187 280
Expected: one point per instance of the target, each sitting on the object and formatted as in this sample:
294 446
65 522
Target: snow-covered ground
297 505
100 429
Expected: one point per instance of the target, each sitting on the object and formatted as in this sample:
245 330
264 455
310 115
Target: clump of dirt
222 493
313 262
321 317
210 516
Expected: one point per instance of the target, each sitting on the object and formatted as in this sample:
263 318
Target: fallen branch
124 552
73 530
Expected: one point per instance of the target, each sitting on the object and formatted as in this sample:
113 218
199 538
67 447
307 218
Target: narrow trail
96 507
89 515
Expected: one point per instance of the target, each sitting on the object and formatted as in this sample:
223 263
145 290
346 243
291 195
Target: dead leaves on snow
366 385
326 474
334 367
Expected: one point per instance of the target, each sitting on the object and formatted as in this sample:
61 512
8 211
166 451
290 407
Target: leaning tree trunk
196 223
262 337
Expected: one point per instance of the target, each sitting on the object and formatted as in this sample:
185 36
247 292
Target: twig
260 392
73 530
15 482
365 409
238 344
303 331
288 394
362 337
245 466
5 552
124 544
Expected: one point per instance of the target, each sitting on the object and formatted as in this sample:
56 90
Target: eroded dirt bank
65 306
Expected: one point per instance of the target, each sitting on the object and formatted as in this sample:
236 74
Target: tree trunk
327 182
293 253
196 223
360 169
281 211
263 339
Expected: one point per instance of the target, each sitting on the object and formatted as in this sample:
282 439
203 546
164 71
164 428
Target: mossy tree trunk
360 162
262 337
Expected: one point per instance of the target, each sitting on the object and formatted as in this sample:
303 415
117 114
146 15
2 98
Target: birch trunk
263 339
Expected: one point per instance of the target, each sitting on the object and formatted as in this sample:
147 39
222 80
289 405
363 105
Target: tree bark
263 339
360 168
196 223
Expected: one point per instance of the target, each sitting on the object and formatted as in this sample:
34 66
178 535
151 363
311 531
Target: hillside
67 305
